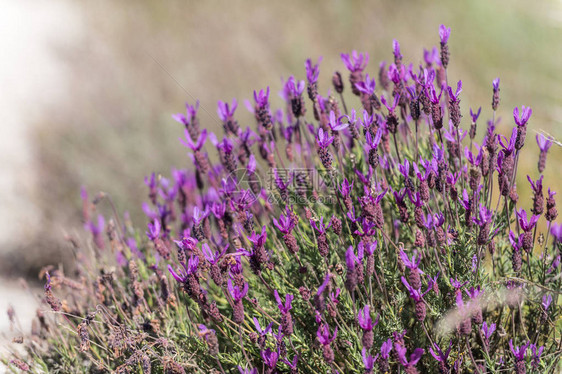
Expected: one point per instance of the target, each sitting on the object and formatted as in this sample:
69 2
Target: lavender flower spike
439 355
366 323
546 301
488 330
544 145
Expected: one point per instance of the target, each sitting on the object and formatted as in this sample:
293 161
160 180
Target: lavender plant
378 239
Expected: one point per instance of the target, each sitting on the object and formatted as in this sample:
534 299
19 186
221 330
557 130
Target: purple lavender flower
538 197
351 260
396 51
323 335
312 71
454 104
523 118
487 331
97 231
365 320
521 121
544 145
368 361
366 323
283 308
475 116
537 353
413 265
396 74
474 161
431 56
441 357
285 224
153 232
517 244
270 358
444 33
336 124
323 139
226 111
292 364
516 260
483 220
474 295
546 301
321 227
190 268
356 61
367 86
519 353
247 371
410 364
556 231
417 296
189 120
195 146
496 84
391 119
236 292
543 142
526 225
262 332
345 189
386 347
373 142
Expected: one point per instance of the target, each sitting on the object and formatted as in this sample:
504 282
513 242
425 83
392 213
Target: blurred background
87 90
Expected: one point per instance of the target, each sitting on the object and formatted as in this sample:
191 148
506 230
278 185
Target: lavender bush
326 239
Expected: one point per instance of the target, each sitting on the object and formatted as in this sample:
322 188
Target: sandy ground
30 77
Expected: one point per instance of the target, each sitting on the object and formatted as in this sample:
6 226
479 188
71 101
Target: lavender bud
287 324
238 312
414 278
551 212
466 327
516 260
337 82
328 353
322 243
420 239
305 293
496 95
336 225
373 158
420 310
368 338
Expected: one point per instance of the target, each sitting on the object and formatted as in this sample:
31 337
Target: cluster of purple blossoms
368 211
